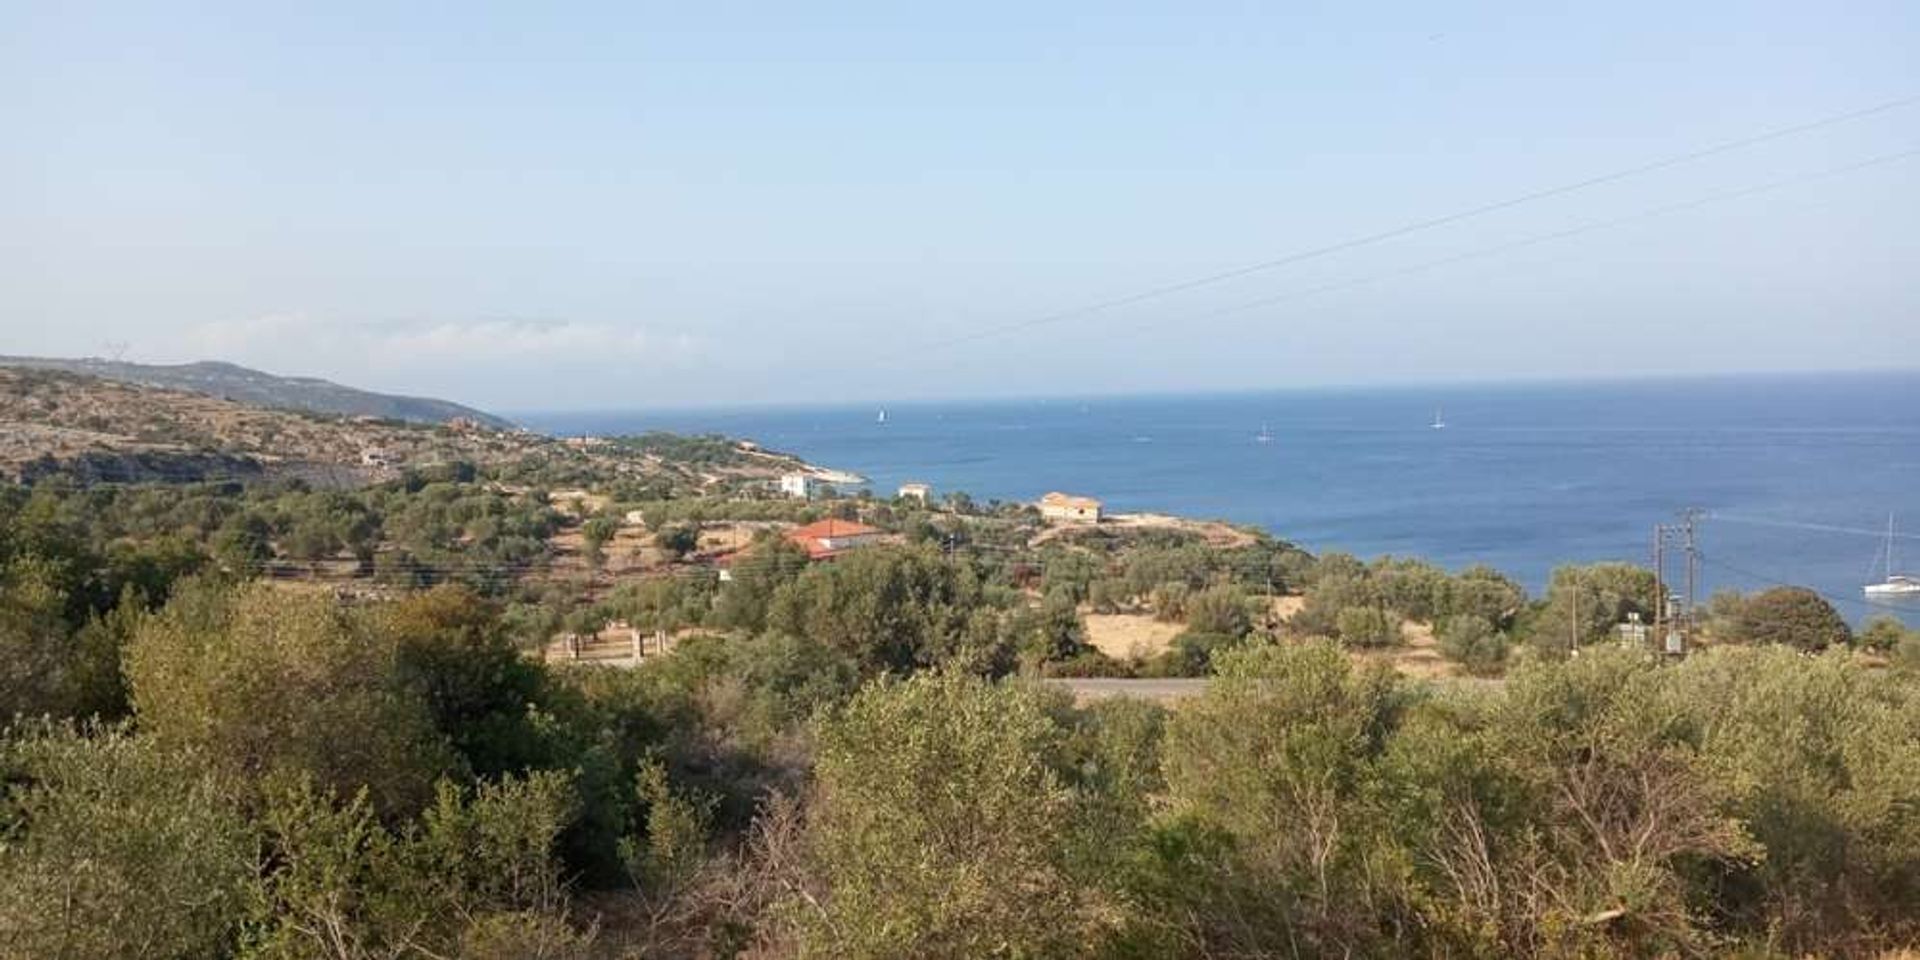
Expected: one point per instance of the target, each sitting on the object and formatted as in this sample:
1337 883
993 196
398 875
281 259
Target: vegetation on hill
55 424
255 388
203 756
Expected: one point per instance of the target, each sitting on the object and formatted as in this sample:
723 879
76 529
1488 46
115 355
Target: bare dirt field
1215 533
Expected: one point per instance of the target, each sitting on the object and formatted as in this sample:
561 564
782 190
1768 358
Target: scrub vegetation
274 721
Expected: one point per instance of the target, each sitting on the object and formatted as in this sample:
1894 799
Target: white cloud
282 337
514 339
496 361
235 339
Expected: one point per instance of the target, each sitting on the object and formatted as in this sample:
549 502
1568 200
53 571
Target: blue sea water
1798 473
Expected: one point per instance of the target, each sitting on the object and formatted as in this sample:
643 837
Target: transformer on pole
1673 619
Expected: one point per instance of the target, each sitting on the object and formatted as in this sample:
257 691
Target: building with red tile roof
824 539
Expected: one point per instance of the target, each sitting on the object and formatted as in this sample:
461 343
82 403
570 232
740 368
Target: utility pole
1673 623
1659 585
1688 517
1573 618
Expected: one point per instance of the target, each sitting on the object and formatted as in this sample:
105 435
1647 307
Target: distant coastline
1523 479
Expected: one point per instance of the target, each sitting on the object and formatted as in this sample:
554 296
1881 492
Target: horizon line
1230 391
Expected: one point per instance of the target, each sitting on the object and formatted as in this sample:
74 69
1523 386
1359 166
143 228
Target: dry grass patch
1418 655
1282 609
1124 636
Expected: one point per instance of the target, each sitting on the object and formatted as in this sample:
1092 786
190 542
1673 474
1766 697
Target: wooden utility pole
1659 586
1573 617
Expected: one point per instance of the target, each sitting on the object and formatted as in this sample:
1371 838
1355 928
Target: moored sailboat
1895 584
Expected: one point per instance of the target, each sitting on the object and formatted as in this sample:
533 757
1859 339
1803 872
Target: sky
640 205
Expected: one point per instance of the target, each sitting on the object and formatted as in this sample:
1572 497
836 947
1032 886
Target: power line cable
1420 225
1818 527
1539 239
1777 582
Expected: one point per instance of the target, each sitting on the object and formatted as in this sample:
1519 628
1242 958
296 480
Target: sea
1795 476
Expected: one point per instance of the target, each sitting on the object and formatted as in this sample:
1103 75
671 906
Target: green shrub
256 682
1792 616
1473 643
113 848
1884 634
1169 602
1221 610
1330 594
1268 851
942 827
1108 595
1368 627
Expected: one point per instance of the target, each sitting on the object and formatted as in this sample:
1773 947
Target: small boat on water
1895 584
882 418
1264 436
1439 422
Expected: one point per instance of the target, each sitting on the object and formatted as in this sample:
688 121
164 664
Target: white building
1061 506
799 485
918 491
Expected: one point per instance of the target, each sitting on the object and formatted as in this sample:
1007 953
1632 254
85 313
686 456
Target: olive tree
1268 778
113 848
255 682
941 827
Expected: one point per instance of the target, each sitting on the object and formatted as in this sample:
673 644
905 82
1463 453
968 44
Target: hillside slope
54 423
234 382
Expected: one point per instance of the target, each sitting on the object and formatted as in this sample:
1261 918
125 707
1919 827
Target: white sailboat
1439 422
1264 436
1896 584
882 418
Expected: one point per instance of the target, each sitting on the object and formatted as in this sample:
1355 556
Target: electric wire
1539 239
1801 525
1773 581
1418 226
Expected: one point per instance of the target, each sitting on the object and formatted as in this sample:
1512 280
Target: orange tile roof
1056 498
832 530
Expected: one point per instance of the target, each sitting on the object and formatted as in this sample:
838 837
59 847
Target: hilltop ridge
217 378
58 423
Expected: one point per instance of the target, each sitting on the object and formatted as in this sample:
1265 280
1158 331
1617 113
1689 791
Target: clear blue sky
628 205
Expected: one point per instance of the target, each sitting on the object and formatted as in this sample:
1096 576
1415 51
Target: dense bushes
1793 616
261 684
68 599
1604 806
1473 643
1367 627
913 866
851 771
891 609
113 848
1259 850
393 778
1584 604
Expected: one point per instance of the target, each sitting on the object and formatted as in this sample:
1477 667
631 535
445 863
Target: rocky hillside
54 423
259 389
